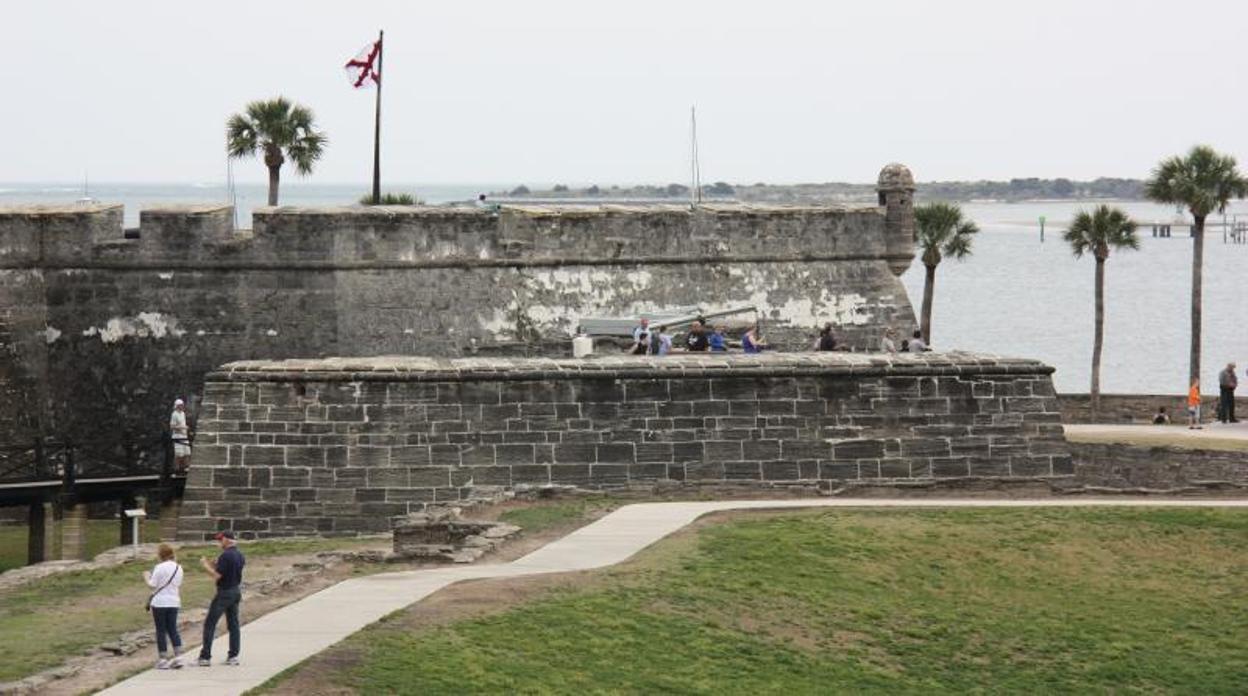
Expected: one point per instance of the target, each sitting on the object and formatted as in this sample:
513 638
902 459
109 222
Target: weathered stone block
614 452
858 449
256 456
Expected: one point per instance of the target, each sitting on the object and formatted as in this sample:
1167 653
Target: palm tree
279 130
940 231
1097 232
1205 182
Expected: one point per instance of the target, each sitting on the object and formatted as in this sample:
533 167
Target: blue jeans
225 602
166 619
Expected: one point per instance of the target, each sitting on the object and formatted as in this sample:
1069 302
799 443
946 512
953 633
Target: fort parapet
340 446
100 329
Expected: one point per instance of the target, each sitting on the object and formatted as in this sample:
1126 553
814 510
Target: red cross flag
365 68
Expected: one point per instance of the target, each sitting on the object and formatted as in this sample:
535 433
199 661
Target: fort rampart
339 446
100 329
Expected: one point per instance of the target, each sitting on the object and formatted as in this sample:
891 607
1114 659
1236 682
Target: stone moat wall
99 331
1186 470
340 446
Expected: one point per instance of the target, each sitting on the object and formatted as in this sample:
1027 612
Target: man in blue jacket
228 573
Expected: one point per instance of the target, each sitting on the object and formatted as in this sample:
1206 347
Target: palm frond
1100 230
1204 181
278 123
959 245
306 149
240 137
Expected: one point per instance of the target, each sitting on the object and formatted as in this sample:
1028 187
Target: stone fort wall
99 332
340 446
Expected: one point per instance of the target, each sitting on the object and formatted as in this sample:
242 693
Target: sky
577 92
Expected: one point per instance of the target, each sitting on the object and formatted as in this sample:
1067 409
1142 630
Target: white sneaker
162 663
176 663
232 661
204 662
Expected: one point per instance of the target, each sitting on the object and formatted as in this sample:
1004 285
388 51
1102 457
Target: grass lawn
897 601
102 535
46 621
546 515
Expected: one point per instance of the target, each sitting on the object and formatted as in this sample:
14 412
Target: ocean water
1014 295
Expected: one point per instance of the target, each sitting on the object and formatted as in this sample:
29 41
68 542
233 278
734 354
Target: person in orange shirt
1193 406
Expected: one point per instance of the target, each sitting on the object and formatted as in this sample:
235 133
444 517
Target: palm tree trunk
925 316
275 177
1098 338
1198 256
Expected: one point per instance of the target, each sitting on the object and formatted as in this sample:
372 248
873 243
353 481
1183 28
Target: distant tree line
719 189
1033 188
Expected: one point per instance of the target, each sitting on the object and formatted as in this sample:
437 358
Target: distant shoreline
1012 191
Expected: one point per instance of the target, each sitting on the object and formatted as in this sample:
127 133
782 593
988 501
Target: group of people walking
164 602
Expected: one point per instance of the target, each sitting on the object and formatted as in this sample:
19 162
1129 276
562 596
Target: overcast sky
582 92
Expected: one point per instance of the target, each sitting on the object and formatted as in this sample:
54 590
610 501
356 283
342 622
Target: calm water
1017 296
1014 295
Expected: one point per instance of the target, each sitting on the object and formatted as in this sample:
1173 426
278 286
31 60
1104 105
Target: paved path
293 633
1210 431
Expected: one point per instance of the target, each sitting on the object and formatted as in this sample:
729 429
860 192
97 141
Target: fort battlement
100 329
203 236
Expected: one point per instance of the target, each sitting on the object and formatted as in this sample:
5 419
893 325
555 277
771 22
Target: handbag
147 606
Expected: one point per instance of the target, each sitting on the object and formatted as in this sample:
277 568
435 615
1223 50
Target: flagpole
377 126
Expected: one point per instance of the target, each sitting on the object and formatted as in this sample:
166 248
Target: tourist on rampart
1227 381
696 340
717 340
888 344
826 340
917 344
1193 406
752 341
181 434
641 337
227 571
661 342
164 602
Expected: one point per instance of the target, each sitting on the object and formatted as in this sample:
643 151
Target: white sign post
135 515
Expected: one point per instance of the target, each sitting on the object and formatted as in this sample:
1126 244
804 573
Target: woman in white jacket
166 580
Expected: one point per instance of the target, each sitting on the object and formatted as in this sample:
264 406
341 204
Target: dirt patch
272 581
276 581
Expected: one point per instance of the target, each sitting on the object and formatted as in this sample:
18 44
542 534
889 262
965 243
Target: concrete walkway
293 633
1208 431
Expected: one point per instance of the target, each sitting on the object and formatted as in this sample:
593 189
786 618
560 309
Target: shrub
392 199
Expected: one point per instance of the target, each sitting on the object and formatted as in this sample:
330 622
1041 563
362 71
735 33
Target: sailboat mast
695 173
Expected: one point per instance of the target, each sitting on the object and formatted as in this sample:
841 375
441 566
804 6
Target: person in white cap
181 437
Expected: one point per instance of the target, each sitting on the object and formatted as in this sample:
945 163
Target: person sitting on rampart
641 337
888 343
717 341
696 340
826 340
661 342
752 341
917 344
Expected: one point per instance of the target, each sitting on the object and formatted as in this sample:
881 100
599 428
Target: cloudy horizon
573 93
